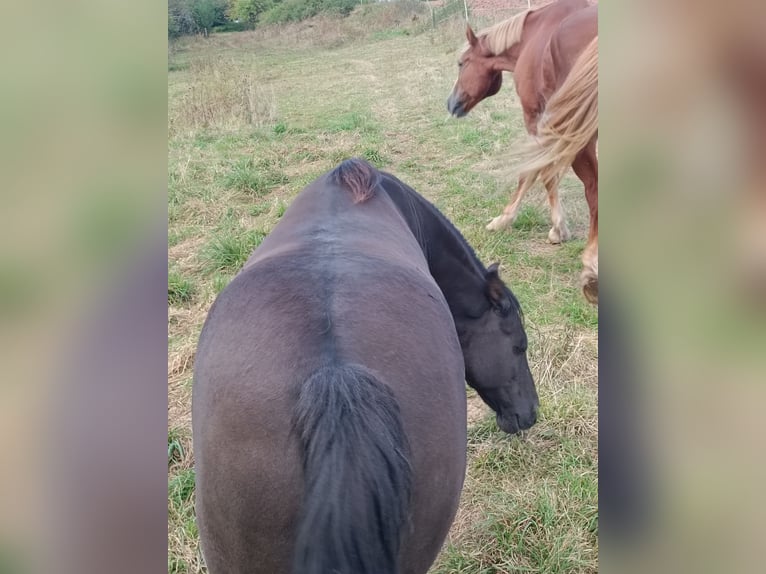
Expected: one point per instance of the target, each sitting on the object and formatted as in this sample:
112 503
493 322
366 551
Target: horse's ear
495 289
470 36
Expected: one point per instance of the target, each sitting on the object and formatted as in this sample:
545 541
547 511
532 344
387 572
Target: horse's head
494 345
479 76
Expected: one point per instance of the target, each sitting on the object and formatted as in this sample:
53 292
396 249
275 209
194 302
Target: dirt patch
477 410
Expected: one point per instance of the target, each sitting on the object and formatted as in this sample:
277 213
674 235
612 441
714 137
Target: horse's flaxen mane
358 176
505 34
568 123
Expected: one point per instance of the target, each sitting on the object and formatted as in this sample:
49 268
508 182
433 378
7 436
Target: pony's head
479 76
494 344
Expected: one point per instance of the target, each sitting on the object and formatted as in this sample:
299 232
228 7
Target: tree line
204 16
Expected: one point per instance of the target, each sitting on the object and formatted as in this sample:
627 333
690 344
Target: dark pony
329 395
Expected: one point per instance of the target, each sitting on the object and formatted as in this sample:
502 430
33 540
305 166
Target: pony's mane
416 198
503 35
362 179
469 249
357 176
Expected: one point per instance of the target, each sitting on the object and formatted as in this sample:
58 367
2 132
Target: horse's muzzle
455 106
513 423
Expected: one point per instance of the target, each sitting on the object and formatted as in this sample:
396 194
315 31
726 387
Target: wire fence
484 10
441 11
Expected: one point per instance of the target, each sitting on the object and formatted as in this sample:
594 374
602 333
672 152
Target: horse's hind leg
585 166
511 210
560 231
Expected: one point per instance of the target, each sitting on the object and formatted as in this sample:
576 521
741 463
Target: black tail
357 474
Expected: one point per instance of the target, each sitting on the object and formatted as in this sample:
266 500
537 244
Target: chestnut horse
553 54
329 408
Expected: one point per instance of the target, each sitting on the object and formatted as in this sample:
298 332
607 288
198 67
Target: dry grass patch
221 94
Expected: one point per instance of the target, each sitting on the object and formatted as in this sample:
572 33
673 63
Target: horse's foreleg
585 166
589 276
560 230
511 210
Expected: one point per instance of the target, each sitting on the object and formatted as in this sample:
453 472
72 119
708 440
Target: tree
249 10
208 13
180 18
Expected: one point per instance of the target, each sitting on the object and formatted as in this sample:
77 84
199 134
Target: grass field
254 117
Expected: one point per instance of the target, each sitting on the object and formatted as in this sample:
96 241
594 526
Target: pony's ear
495 290
470 36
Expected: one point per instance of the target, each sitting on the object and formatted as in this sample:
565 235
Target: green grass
361 87
351 122
228 250
389 34
248 176
180 289
220 281
280 128
375 157
177 66
176 448
530 218
180 489
259 209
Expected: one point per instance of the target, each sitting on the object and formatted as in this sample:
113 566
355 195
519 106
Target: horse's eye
460 64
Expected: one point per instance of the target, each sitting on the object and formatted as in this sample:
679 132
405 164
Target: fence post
465 5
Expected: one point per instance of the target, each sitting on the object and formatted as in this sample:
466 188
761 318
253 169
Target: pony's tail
358 176
569 123
357 474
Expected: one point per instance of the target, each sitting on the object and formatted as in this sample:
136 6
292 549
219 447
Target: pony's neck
453 264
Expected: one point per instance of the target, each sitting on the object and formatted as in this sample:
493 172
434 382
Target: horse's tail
356 471
358 176
568 124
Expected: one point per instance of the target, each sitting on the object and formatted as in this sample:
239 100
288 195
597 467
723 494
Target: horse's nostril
455 106
527 421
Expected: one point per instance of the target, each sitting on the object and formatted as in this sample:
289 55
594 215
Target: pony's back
329 397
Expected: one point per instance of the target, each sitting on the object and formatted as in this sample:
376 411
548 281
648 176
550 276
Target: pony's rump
358 176
356 471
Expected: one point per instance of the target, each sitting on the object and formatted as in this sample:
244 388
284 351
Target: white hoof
559 235
499 223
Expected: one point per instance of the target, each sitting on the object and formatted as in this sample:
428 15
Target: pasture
253 118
